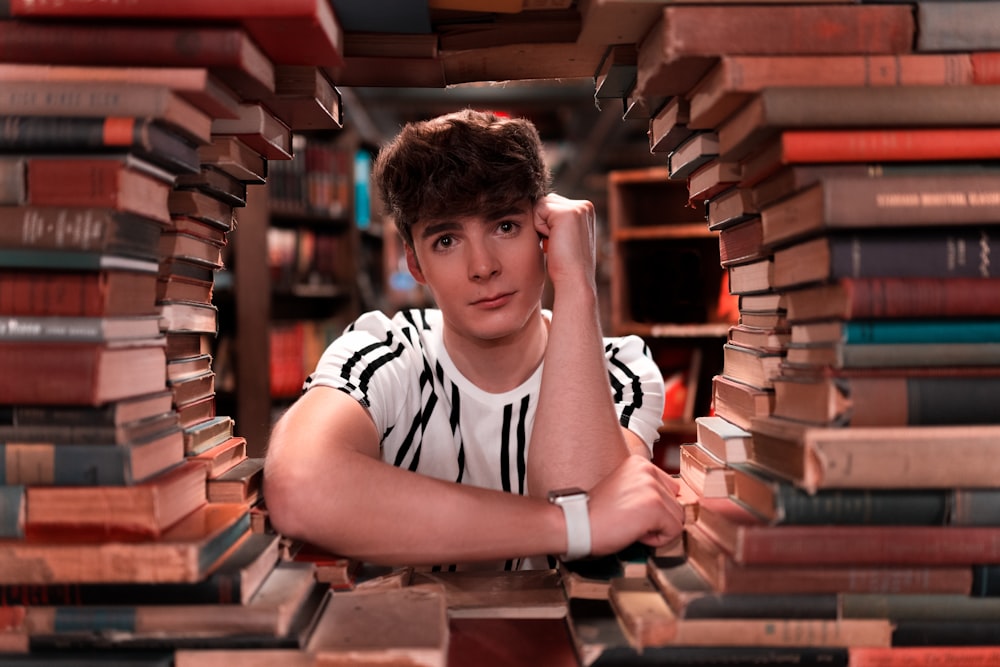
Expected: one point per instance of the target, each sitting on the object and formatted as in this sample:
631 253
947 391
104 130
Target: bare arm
324 483
576 439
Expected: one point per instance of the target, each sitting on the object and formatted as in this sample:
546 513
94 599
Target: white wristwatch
573 502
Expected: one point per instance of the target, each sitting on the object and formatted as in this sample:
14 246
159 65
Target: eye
443 242
507 227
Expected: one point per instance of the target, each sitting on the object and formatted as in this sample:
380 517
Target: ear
413 265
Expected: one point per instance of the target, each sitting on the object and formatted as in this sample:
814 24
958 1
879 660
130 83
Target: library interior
794 202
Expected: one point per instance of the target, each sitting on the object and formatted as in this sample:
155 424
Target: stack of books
131 516
846 488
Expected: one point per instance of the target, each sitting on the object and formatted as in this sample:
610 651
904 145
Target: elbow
284 497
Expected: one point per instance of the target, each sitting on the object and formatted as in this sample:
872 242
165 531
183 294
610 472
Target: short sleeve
636 386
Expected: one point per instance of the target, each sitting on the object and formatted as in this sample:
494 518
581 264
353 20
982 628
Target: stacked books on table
847 486
130 516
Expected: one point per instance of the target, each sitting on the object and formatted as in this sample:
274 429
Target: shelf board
670 330
682 230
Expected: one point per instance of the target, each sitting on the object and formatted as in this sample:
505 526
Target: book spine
921 331
975 507
863 507
12 510
13 181
41 133
957 26
925 401
924 656
985 580
886 145
84 465
921 297
964 253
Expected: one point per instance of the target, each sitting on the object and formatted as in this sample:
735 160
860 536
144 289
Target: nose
483 262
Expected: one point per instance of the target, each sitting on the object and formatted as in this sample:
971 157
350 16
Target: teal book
921 331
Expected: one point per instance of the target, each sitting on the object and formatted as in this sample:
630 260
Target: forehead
432 225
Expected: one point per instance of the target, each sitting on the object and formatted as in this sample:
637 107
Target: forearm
350 503
576 439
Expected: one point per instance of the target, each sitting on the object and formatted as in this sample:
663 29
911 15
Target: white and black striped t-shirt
436 422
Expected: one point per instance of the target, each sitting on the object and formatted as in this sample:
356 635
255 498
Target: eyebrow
434 228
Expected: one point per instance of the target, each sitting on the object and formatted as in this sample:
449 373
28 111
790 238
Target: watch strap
577 526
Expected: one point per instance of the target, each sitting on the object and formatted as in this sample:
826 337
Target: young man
435 437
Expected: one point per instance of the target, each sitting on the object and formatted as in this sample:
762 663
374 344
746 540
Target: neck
502 364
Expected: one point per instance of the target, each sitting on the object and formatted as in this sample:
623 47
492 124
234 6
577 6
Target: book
200 437
79 373
917 107
888 201
235 580
184 368
904 397
722 438
867 151
13 181
78 329
924 656
222 457
750 540
104 230
13 508
896 331
752 277
215 183
306 99
227 51
85 430
190 248
303 32
144 137
96 183
712 178
35 291
203 207
703 472
957 252
688 40
778 501
898 457
194 387
742 242
233 156
259 129
957 26
845 355
78 464
738 402
726 576
767 339
736 78
753 366
104 100
649 621
195 84
196 411
668 127
240 484
695 151
147 508
188 316
913 297
730 207
112 414
187 552
269 612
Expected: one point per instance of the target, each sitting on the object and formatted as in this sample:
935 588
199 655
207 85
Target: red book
749 540
817 146
924 656
291 32
76 293
228 52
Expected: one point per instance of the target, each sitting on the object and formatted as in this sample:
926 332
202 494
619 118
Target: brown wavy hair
463 163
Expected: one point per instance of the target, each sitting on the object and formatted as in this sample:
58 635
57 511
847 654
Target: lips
494 300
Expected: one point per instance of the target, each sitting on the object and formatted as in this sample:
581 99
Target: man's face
485 272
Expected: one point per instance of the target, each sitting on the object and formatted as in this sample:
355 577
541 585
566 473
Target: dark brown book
86 430
242 483
171 286
187 552
726 576
228 52
903 397
120 185
189 248
933 199
104 100
688 40
196 411
146 509
873 298
77 228
55 373
215 183
110 415
775 109
198 205
306 99
668 127
957 252
192 388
